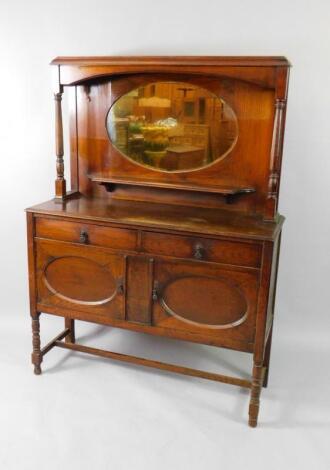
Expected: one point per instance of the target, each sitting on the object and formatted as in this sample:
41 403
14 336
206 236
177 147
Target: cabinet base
63 340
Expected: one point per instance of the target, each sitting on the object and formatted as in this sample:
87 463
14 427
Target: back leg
267 358
71 337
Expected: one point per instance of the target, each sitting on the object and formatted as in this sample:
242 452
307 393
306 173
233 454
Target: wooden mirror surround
249 112
170 226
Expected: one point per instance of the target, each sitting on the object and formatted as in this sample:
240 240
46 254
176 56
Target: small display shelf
228 192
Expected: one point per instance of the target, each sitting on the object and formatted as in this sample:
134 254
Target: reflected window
172 126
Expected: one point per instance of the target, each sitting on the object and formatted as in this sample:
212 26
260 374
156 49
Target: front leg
257 380
36 353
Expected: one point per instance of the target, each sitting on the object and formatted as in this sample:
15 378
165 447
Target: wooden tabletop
216 222
241 61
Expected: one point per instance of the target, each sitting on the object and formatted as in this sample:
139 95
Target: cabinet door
205 299
81 278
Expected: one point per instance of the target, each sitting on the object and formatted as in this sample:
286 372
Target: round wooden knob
199 251
83 236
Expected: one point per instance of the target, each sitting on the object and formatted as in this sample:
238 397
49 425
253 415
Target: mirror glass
172 126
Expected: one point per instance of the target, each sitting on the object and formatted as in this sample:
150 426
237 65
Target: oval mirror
172 126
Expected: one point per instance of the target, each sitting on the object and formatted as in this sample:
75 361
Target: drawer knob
199 251
83 236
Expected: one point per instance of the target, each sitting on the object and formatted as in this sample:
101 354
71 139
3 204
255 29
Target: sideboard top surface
216 222
241 61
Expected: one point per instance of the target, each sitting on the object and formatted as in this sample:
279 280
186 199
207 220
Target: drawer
79 232
203 249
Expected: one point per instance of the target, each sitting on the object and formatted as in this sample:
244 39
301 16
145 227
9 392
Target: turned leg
71 337
36 353
255 394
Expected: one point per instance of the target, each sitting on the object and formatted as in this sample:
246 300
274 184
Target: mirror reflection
172 126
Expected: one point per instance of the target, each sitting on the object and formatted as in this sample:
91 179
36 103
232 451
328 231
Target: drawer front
78 232
82 278
203 249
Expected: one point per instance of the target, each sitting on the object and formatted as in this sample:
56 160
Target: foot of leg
255 395
36 353
37 369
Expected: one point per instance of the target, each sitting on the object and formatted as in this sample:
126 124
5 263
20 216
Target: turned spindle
60 183
36 352
275 160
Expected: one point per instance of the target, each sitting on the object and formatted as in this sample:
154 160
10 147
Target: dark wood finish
74 170
275 159
65 334
271 309
36 352
206 249
197 61
139 285
190 255
31 263
80 277
229 191
226 310
209 337
228 174
70 326
60 183
163 218
257 380
88 234
36 356
259 70
259 349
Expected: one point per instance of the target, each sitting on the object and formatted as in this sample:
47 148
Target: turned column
36 353
275 159
60 183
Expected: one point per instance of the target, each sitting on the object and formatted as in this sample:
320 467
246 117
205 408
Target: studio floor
85 412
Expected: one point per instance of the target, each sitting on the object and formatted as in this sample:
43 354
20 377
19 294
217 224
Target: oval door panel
205 301
80 280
